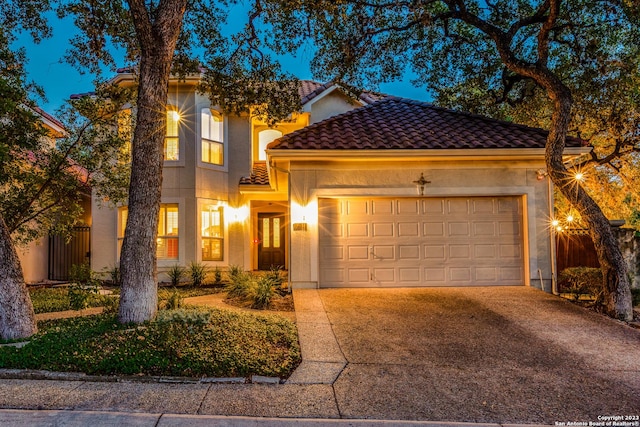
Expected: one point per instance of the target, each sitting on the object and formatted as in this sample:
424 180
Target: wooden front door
271 240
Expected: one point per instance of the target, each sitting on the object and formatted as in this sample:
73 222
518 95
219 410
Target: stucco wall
311 180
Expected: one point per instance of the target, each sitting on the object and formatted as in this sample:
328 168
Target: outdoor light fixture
420 183
541 174
579 176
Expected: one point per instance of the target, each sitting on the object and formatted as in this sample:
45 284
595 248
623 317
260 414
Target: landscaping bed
194 342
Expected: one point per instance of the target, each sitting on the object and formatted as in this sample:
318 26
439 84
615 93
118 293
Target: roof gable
399 123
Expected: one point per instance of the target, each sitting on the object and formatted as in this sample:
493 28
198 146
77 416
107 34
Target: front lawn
183 342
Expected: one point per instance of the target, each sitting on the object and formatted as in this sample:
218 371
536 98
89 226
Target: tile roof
399 123
259 175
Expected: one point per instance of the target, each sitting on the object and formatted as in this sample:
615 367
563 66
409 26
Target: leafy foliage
176 273
192 343
582 280
198 273
48 300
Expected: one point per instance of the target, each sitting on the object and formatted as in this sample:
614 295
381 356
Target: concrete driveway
508 355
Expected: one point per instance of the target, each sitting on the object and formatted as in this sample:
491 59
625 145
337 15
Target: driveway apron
503 354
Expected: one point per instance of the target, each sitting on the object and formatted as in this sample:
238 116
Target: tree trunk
139 295
17 319
618 302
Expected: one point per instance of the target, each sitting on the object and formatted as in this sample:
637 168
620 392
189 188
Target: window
167 232
212 137
122 224
212 232
167 240
171 139
264 138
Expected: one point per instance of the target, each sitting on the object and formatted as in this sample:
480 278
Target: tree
547 43
158 40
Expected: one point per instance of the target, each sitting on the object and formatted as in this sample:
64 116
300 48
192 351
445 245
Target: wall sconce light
420 183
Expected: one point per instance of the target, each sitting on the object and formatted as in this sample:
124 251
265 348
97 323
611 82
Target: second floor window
171 139
212 137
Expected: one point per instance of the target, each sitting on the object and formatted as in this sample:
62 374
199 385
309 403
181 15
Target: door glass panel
276 232
266 236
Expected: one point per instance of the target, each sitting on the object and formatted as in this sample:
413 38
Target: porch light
175 115
541 174
420 183
579 176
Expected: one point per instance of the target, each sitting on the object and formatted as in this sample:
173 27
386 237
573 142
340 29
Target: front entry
271 240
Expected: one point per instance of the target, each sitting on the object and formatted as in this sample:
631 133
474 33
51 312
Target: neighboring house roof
310 89
399 123
259 175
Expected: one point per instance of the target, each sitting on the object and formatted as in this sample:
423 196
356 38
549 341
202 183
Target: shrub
217 276
169 299
240 284
114 276
84 286
262 292
635 294
176 273
234 272
198 273
581 280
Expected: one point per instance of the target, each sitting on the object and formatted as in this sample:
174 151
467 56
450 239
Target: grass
184 342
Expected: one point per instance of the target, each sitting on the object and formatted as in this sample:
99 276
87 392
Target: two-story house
374 191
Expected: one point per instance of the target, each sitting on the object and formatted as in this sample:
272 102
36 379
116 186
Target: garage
426 241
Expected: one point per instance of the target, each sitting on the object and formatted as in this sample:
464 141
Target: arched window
171 139
212 134
264 138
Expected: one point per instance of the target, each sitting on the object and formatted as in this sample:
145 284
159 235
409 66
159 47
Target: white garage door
454 241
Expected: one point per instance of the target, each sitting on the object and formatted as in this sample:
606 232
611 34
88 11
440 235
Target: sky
46 67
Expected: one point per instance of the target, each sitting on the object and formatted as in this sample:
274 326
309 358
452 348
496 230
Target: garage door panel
382 207
331 230
459 252
457 229
434 252
357 230
407 206
408 229
421 242
358 253
382 229
409 252
434 274
332 253
430 229
433 206
357 207
457 206
483 206
459 274
384 253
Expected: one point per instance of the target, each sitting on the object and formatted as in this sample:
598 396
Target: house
349 192
51 257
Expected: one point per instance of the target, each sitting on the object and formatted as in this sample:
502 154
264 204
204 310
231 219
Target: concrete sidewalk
422 356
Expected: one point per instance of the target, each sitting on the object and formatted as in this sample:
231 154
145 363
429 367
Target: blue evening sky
47 68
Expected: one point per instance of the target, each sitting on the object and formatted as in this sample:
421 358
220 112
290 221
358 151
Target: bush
176 273
84 286
198 273
581 280
217 276
635 294
262 292
234 272
169 299
240 284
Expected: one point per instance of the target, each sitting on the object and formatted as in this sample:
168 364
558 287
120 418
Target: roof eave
420 154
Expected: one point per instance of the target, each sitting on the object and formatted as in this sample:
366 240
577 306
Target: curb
31 374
